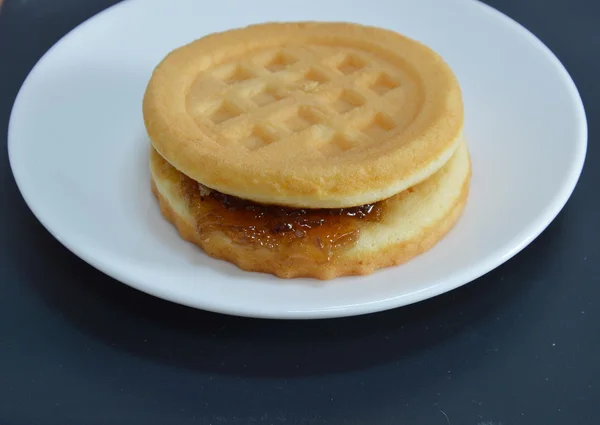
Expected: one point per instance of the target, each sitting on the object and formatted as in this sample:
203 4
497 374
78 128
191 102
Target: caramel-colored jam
314 233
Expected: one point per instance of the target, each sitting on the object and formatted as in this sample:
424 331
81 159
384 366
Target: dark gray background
519 346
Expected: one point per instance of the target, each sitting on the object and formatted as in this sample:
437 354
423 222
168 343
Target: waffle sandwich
315 149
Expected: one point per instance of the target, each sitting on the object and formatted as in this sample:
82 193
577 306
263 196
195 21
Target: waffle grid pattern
333 100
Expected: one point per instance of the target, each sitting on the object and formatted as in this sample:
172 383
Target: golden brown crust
329 157
446 208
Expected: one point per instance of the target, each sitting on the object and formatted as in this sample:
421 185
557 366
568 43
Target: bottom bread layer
321 244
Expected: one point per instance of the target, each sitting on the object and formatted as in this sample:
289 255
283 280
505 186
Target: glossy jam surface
317 234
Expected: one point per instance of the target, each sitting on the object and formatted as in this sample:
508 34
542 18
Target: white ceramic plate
78 150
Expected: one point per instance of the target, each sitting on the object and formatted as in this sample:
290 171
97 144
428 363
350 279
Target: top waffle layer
309 114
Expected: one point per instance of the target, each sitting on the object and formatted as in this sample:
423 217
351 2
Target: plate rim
493 260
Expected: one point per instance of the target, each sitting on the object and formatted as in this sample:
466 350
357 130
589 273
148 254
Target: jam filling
316 234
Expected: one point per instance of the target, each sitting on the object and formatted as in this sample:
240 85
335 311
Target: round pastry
305 114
